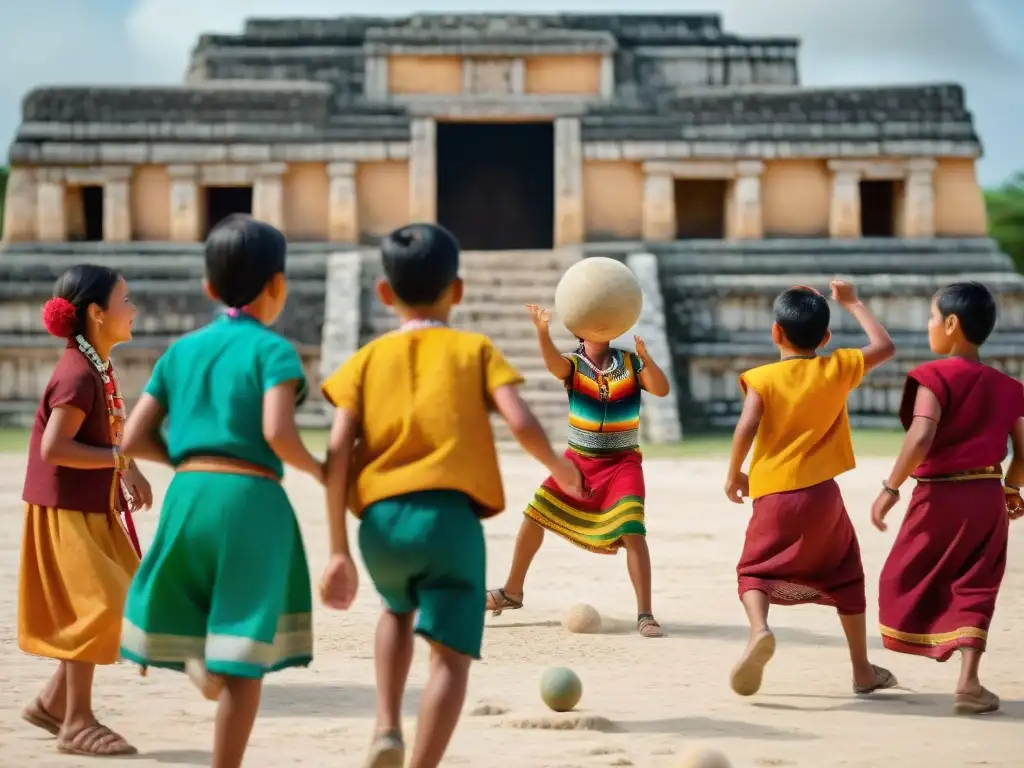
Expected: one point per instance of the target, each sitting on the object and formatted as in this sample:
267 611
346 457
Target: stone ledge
662 142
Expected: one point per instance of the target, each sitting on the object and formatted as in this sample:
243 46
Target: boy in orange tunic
800 545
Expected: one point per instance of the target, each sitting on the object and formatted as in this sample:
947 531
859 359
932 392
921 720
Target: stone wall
718 300
165 281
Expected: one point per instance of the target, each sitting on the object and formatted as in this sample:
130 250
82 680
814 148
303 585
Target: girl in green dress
223 592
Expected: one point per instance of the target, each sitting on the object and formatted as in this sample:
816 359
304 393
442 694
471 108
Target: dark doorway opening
877 209
92 213
221 202
700 208
496 184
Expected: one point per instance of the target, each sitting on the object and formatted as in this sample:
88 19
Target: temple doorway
221 202
877 209
496 184
92 213
700 208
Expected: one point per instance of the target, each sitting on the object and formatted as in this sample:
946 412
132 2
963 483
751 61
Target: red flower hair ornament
60 317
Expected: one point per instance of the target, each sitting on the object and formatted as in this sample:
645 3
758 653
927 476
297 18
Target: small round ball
561 689
582 619
598 299
702 757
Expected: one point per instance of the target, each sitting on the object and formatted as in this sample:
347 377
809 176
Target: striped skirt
613 508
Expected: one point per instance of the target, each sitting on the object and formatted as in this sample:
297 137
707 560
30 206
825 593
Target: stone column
844 209
51 217
568 182
20 206
919 199
268 193
186 218
745 204
117 205
375 78
342 209
608 76
423 170
659 206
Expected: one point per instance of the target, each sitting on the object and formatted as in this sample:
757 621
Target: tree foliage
1006 218
3 191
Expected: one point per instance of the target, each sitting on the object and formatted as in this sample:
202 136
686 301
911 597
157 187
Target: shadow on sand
328 700
711 728
891 703
177 756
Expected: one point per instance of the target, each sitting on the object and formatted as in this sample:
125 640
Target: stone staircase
497 286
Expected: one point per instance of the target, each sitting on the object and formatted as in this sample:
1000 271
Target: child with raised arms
78 548
412 455
938 588
223 592
800 545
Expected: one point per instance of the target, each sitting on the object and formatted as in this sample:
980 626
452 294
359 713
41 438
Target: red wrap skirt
801 548
938 588
613 508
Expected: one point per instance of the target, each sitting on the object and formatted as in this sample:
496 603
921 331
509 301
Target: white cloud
975 42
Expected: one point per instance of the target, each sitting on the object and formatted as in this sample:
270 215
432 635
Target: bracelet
121 462
1011 485
894 492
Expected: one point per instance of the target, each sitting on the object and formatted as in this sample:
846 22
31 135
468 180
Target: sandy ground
645 701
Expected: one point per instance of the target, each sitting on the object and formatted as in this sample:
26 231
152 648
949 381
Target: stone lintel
774 150
484 47
261 170
183 171
341 169
494 107
226 175
704 169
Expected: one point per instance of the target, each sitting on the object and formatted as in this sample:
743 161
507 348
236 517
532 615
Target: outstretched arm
557 365
142 438
880 346
652 378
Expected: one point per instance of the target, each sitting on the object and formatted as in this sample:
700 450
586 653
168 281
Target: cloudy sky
979 43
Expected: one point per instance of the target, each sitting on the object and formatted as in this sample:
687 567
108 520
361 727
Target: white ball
598 299
702 757
582 619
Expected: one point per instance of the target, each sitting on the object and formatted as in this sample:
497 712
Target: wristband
894 492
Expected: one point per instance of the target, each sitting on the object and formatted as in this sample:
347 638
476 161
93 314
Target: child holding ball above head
78 553
223 593
599 300
412 454
938 588
800 545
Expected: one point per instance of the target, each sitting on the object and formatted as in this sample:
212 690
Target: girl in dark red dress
938 587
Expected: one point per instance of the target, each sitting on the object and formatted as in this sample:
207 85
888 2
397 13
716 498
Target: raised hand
541 317
641 347
843 293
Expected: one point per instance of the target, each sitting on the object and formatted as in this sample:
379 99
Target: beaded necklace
116 415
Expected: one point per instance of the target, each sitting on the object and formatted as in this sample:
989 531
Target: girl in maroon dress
939 585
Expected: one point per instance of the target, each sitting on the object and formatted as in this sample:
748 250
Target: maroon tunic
938 588
75 382
800 548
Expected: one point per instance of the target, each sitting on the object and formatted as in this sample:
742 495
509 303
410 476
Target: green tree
1006 218
3 190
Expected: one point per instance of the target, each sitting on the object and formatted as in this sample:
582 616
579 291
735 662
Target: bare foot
748 673
208 685
386 751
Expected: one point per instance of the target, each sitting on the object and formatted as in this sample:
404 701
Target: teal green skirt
225 580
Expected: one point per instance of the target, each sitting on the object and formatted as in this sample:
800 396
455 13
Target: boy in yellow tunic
412 455
800 545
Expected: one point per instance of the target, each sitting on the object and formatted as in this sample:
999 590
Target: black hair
242 256
420 262
84 285
973 305
803 315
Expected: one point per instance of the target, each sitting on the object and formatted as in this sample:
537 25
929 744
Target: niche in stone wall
83 208
221 202
700 208
878 208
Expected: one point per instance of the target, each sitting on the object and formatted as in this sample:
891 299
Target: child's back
423 395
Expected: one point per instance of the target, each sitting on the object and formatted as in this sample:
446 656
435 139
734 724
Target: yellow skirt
74 576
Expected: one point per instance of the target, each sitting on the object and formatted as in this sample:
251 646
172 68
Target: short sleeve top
804 436
75 382
211 384
604 405
423 399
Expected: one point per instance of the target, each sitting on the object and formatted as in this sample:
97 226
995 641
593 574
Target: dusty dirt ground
645 702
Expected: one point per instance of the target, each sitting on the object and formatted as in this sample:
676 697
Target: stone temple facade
691 153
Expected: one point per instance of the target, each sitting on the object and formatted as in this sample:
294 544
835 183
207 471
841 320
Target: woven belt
994 472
